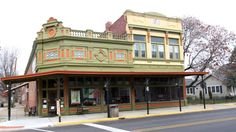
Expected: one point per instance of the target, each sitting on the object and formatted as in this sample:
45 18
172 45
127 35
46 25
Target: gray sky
22 19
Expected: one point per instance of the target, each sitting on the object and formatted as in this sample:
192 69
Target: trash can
114 110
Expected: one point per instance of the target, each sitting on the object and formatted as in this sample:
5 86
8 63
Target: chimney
108 25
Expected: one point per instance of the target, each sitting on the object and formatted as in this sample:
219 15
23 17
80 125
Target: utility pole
203 85
107 83
147 94
179 94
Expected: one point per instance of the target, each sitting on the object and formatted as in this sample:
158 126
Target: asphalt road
214 121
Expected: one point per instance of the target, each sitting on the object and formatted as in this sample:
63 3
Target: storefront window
119 95
75 97
91 96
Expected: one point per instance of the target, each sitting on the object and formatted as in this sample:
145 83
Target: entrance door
52 95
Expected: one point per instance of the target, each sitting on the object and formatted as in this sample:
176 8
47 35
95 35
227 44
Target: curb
126 117
11 127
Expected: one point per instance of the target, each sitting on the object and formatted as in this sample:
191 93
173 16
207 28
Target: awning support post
9 101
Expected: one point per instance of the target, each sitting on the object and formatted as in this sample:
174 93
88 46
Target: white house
214 84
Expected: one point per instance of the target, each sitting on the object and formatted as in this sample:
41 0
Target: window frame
138 44
157 44
175 48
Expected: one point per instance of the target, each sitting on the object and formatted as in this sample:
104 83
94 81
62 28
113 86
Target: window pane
79 54
120 95
217 89
154 51
176 52
143 50
173 41
213 89
161 51
91 96
136 50
171 52
157 40
139 38
75 96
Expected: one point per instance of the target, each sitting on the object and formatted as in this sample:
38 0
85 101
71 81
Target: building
215 84
138 55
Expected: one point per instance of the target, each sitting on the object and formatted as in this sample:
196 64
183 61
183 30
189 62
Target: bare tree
8 60
206 47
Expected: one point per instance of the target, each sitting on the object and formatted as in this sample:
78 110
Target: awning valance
35 76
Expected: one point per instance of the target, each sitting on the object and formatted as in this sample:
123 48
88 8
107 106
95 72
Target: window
79 54
157 47
120 56
215 89
91 96
120 95
221 91
75 97
174 48
140 46
52 55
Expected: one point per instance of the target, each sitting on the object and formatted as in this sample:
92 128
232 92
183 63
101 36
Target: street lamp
147 94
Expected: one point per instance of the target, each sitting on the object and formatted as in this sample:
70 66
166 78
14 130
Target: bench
82 109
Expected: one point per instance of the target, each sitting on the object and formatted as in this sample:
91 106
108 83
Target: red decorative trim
62 53
90 55
67 53
110 55
34 76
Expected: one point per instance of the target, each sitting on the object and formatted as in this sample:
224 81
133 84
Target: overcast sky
20 20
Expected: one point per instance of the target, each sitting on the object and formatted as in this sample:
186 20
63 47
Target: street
213 121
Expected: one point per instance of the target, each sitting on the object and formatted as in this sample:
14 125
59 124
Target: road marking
112 129
42 130
185 124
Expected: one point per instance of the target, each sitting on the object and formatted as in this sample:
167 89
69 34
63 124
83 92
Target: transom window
79 54
120 56
140 46
157 47
174 48
52 55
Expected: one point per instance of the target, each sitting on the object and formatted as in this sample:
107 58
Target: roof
35 76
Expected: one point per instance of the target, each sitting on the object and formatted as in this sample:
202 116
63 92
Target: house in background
214 83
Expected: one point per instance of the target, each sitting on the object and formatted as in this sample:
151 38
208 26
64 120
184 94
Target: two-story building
90 69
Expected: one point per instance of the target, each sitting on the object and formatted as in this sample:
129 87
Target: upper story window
79 54
174 48
52 55
157 47
140 46
120 56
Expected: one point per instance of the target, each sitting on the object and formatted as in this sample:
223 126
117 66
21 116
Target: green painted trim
110 41
62 64
165 60
154 28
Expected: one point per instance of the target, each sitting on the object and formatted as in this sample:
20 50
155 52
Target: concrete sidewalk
38 122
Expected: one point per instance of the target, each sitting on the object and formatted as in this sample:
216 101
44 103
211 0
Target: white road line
112 129
41 130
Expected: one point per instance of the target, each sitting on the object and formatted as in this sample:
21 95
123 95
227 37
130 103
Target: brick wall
119 26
